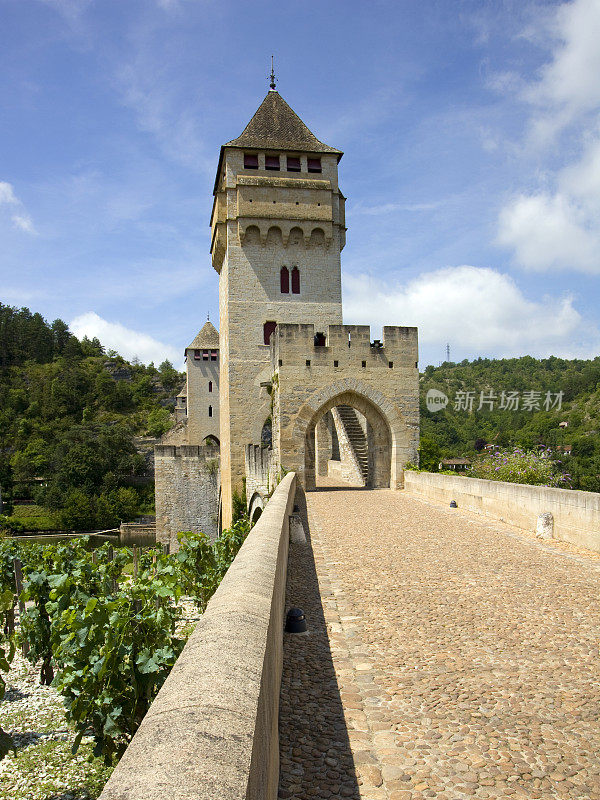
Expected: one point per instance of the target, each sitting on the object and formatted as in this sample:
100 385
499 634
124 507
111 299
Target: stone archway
255 507
378 436
393 439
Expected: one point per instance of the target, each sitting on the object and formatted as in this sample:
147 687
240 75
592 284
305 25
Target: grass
36 518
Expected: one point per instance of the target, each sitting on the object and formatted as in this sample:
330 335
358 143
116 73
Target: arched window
210 386
284 277
295 281
210 411
268 329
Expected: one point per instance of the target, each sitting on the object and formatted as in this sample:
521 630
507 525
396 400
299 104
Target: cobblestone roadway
466 656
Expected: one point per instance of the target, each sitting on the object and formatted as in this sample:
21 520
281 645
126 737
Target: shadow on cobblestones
315 754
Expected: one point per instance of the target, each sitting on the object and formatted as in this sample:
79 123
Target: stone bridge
449 655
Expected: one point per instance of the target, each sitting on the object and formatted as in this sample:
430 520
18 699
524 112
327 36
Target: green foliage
159 422
429 454
203 563
109 638
10 525
115 645
239 503
82 511
520 466
70 415
458 433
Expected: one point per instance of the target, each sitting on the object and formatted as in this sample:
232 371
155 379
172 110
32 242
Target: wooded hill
451 432
70 415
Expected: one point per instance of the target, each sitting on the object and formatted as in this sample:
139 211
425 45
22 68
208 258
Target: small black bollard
453 504
295 621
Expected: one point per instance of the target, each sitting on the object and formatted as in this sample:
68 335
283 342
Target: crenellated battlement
343 346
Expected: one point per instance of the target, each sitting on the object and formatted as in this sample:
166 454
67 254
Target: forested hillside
70 414
456 431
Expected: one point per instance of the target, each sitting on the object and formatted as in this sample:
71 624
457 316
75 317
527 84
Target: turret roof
276 126
207 338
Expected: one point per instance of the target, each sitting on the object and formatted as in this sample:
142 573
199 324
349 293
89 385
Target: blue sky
471 133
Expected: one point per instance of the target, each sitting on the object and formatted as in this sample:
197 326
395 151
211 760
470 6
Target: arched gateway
325 417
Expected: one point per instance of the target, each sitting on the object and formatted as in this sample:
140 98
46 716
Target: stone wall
260 474
187 491
212 731
576 515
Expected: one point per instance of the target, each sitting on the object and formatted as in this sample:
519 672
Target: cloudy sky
471 133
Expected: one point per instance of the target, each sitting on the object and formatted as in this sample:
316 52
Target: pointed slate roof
207 338
276 126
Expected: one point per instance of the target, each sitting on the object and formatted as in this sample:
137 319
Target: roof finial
272 76
208 316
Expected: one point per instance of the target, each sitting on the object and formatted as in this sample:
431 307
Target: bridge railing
212 731
575 514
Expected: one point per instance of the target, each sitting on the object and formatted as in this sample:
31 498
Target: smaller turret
202 394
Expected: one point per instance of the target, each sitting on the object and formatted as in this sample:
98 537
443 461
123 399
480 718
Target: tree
429 454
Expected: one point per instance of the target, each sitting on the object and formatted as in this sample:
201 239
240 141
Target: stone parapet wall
576 515
187 484
212 731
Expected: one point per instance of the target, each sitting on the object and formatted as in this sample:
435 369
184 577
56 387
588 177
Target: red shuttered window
284 278
295 281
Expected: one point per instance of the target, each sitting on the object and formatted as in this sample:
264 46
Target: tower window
272 162
213 355
293 164
197 355
210 411
391 364
210 386
205 355
364 363
284 279
314 164
295 281
250 161
268 329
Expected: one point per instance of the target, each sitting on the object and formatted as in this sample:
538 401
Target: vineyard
103 626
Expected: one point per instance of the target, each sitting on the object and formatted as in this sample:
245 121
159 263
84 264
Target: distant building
457 464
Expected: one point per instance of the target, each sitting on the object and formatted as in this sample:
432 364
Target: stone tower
202 368
278 228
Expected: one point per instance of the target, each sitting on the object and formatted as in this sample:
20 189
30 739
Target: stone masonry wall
187 491
259 472
576 515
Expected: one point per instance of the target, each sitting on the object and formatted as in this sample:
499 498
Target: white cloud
7 194
568 85
21 219
480 310
127 342
550 232
24 223
559 227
